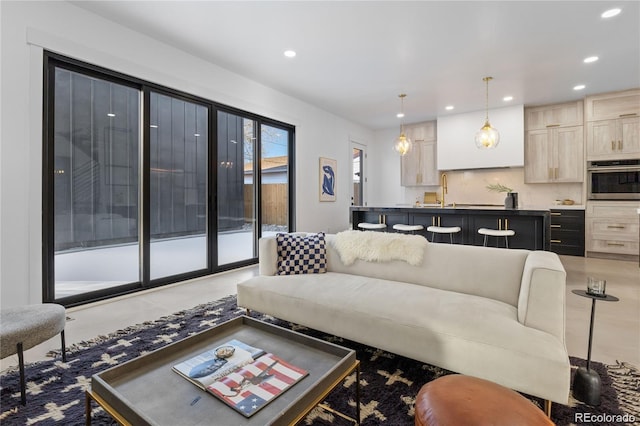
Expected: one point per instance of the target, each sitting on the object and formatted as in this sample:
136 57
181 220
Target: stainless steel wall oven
614 180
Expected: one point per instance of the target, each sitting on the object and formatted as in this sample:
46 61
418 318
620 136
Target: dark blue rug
55 390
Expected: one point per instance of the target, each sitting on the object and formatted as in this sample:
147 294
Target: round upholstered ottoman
463 400
23 327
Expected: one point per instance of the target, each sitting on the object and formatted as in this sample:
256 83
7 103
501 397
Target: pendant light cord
486 79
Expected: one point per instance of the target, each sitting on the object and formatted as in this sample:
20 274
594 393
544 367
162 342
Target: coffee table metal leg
358 394
106 407
87 409
356 420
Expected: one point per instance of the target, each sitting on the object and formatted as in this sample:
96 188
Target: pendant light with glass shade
402 144
487 137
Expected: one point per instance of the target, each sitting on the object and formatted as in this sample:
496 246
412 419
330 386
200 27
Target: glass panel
236 193
356 200
178 185
615 182
275 180
96 183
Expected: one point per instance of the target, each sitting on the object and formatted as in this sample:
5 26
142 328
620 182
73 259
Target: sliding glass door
145 186
95 183
179 135
237 232
274 188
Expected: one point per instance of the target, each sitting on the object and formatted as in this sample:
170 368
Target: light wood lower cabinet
613 227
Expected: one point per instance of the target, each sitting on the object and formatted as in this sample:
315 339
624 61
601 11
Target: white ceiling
354 58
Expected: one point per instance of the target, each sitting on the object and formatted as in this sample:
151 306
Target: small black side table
586 383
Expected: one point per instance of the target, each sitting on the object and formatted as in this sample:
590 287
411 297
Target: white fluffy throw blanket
379 247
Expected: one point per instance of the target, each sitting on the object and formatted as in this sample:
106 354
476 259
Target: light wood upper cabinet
554 143
542 117
554 155
613 139
613 125
613 105
418 167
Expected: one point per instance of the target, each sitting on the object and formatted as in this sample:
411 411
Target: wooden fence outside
274 203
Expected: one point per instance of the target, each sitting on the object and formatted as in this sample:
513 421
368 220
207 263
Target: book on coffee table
207 367
250 388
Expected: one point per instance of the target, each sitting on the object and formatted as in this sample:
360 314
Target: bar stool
372 226
443 230
506 233
407 228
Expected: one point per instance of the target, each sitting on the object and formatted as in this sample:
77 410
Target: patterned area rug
389 383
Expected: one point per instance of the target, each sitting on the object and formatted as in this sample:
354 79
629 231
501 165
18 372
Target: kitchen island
532 226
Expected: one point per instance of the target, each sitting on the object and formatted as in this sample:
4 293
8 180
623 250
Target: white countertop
567 207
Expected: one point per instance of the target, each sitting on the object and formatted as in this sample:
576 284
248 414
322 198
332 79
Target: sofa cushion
301 254
461 332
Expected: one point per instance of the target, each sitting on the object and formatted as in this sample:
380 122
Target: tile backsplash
469 186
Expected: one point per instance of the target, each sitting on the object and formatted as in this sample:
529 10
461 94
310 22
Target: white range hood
457 149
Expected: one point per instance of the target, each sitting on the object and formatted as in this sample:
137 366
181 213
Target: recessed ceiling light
610 13
449 107
507 98
196 134
400 115
153 126
111 114
590 59
579 87
289 53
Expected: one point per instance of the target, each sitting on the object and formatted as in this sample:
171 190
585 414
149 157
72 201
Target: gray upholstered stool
372 226
444 230
506 233
407 228
24 327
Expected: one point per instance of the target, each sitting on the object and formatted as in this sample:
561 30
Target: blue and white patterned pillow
301 254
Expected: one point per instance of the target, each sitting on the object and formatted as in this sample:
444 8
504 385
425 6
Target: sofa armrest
541 303
268 255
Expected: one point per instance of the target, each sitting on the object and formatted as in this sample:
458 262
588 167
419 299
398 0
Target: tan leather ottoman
459 400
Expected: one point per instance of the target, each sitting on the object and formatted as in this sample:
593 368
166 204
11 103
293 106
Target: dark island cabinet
531 227
567 232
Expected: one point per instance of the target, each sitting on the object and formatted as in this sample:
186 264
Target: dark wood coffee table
146 391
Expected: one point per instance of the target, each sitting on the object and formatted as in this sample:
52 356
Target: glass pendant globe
487 137
402 145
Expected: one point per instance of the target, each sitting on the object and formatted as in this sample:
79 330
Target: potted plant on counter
511 201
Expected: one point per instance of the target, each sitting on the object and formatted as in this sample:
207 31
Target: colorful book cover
249 388
209 366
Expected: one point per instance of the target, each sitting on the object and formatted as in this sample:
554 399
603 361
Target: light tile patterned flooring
616 331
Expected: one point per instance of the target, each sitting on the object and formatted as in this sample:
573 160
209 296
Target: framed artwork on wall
328 179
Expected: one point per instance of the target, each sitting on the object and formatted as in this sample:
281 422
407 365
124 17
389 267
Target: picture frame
328 179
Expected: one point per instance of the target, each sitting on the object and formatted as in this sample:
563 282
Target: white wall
464 186
29 27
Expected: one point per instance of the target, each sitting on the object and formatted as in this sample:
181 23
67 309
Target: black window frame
53 60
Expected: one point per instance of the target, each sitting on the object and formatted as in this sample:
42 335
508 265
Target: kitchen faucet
443 183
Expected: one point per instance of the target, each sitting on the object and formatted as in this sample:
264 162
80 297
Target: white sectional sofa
492 313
